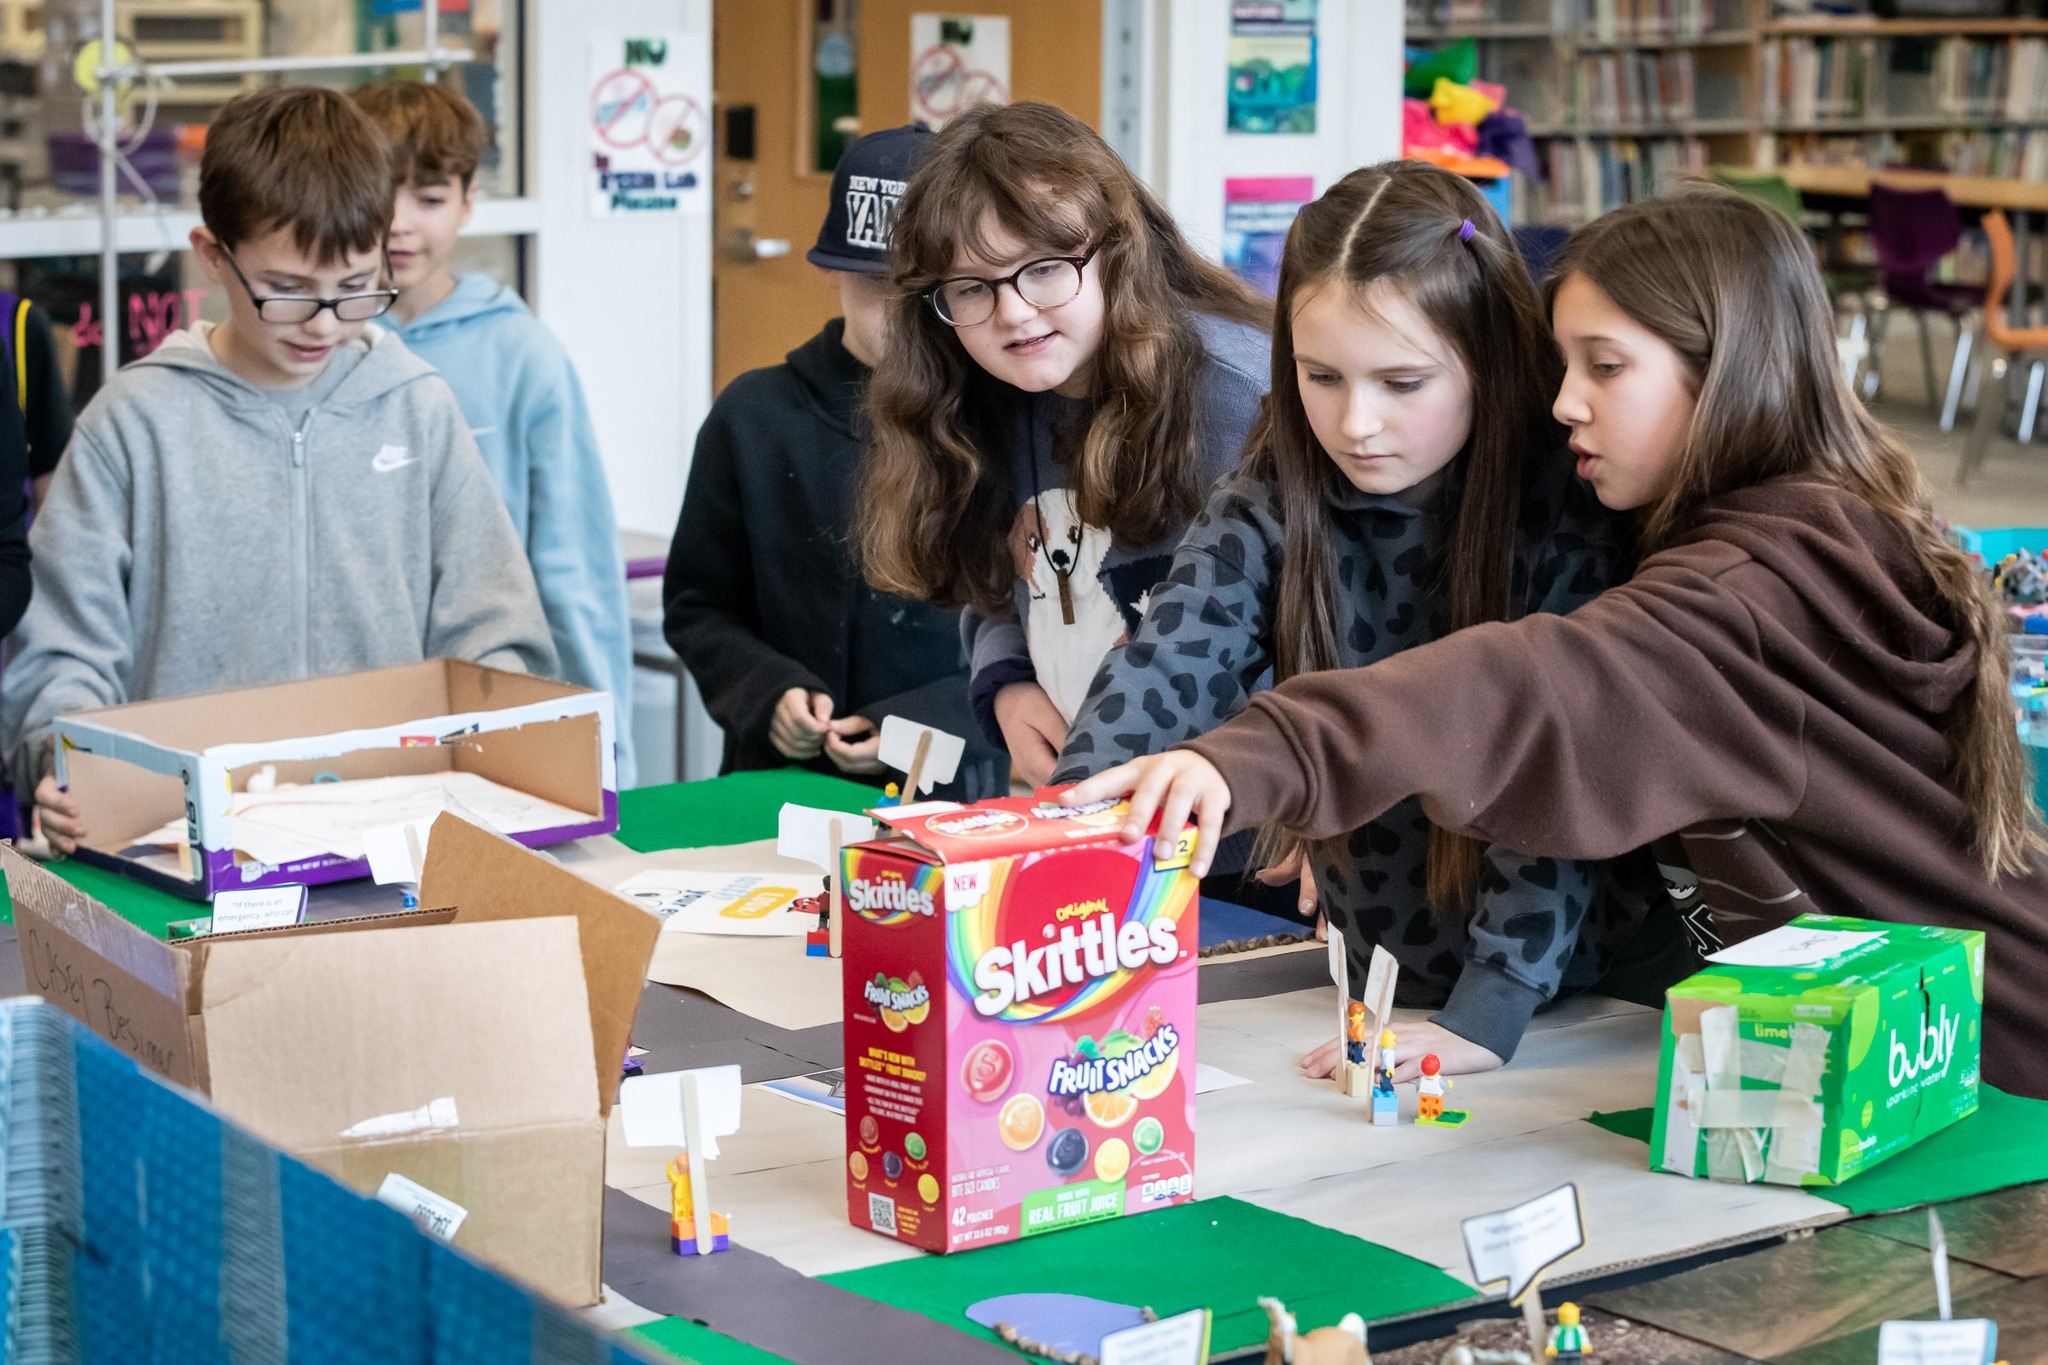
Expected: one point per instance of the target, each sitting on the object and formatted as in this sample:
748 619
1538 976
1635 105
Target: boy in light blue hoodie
516 387
289 494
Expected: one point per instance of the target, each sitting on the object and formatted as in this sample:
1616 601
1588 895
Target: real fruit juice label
1020 1026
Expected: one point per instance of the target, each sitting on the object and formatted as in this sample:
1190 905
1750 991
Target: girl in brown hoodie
1801 697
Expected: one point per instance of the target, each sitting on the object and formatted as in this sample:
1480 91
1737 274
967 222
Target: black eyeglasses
1050 282
295 308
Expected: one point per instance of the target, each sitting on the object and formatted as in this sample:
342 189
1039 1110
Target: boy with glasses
286 494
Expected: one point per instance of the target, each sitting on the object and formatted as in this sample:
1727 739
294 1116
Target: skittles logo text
977 824
1008 976
1103 1074
892 897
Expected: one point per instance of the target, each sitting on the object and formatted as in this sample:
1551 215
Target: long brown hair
936 504
1399 226
1732 287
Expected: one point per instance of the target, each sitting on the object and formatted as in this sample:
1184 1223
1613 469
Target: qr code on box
882 1214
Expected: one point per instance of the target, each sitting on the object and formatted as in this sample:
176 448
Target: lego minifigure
1429 1090
1568 1340
682 1227
1386 1105
1354 1033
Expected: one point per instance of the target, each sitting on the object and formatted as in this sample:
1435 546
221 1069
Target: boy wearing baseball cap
795 656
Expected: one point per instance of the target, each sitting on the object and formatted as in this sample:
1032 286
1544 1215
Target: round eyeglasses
965 300
296 308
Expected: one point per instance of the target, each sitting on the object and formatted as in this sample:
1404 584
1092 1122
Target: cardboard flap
308 1038
116 979
486 877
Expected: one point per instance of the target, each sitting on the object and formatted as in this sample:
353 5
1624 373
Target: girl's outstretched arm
1176 785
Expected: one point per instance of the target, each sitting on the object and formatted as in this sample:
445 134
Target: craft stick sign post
1519 1244
650 126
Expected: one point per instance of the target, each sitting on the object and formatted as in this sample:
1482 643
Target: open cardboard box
134 768
472 1046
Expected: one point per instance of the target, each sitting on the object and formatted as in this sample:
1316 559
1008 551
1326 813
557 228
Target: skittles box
1814 1051
1020 1022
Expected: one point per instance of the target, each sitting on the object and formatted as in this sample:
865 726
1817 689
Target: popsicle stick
834 903
916 773
700 1190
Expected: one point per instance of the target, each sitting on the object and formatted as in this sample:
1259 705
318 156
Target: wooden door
766 298
767 56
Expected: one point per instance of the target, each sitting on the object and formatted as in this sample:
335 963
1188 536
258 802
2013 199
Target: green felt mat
2004 1143
734 809
695 1344
1219 1254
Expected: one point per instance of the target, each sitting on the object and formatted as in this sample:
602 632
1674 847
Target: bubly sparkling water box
1020 1022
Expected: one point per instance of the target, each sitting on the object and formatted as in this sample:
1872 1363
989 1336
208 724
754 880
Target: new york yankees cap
865 186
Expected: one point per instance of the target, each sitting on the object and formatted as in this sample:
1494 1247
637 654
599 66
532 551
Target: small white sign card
1520 1243
1340 973
900 742
1182 1339
270 907
1966 1341
651 1108
1793 945
437 1215
805 833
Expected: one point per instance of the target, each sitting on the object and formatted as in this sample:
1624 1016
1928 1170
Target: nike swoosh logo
392 457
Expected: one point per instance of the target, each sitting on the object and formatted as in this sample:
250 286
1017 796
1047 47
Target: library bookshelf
1622 95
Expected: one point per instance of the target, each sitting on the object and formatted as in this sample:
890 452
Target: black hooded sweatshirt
761 593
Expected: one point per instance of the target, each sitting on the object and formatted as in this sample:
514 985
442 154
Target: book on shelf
1997 153
1648 21
1631 89
1586 177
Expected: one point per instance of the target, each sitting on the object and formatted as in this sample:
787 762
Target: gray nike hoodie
192 540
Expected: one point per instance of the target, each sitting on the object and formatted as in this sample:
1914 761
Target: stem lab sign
650 125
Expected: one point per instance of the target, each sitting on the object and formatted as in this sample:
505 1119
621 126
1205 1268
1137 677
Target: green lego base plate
1450 1118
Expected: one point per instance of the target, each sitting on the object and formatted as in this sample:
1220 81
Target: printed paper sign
805 833
1257 213
269 908
1793 946
1971 1341
720 903
956 61
1272 83
1179 1340
899 751
437 1216
1520 1243
649 126
651 1108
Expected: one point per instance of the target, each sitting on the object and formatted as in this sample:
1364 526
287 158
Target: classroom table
1298 1217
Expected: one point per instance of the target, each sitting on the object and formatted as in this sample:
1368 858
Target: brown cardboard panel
489 877
534 1196
312 706
101 970
473 687
121 802
557 760
307 1038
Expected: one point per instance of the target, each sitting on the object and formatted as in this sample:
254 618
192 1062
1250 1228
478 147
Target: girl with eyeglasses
1067 378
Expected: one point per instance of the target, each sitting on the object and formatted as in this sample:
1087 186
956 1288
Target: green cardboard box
1816 1050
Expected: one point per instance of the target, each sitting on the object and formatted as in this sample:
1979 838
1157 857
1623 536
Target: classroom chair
1773 190
1911 231
2015 342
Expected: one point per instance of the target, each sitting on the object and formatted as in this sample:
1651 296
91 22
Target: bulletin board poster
1257 212
957 61
1272 66
650 126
